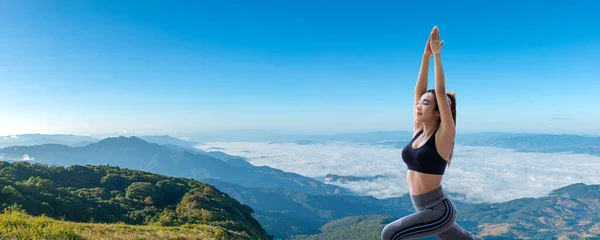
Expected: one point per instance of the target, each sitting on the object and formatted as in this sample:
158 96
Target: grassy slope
16 224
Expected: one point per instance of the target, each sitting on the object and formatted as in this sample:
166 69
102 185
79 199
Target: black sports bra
425 159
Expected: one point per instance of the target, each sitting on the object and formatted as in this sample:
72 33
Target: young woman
427 155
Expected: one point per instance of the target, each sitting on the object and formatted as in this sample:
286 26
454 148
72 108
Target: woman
427 155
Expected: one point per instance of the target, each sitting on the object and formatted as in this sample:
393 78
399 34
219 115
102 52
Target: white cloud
1 155
10 137
184 138
488 174
27 158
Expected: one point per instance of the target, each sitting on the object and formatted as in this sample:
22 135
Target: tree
140 191
114 181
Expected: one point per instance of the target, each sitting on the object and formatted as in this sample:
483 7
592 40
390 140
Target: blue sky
154 67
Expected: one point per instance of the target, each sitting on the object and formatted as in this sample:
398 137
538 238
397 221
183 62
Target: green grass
17 224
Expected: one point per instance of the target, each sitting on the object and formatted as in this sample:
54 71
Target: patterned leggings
435 216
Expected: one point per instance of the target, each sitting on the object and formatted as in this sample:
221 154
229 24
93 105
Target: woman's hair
452 97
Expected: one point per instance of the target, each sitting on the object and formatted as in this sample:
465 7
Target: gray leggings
435 216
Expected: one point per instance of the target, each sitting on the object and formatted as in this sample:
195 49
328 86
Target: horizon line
276 132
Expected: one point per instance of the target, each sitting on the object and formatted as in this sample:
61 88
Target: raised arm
422 81
447 129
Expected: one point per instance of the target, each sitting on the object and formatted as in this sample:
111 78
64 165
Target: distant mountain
365 137
81 144
165 139
304 142
345 179
536 142
80 141
135 153
231 160
37 139
548 143
571 212
578 190
524 142
285 213
275 137
288 204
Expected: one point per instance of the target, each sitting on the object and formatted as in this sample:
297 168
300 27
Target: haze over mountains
479 173
79 141
135 153
526 142
370 163
294 188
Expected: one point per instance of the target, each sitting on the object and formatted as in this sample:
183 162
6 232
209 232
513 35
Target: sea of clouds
477 174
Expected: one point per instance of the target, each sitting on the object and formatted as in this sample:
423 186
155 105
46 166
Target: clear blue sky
88 67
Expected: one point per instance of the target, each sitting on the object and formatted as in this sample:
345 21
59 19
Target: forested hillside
105 194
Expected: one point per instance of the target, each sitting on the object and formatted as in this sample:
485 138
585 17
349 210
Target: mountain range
37 139
525 142
171 160
548 143
569 212
289 205
80 141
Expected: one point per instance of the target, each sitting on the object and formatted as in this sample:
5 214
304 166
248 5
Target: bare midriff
420 183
